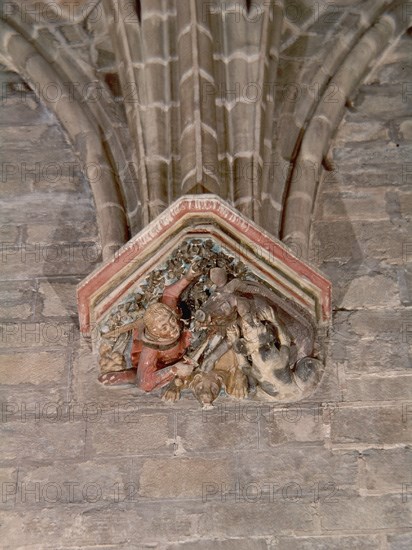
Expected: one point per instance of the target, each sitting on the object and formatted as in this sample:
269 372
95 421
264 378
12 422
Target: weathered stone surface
353 204
405 285
17 300
366 513
338 542
183 477
35 260
32 368
235 517
59 298
15 311
26 400
362 240
8 481
368 388
383 100
399 542
366 324
235 544
22 109
405 202
355 131
67 233
63 482
385 172
374 291
89 525
372 164
306 473
9 234
405 128
21 136
13 185
41 440
146 433
366 425
51 334
329 389
394 72
383 352
200 432
293 423
40 159
93 547
388 471
43 211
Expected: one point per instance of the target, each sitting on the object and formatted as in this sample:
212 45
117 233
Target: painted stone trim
188 212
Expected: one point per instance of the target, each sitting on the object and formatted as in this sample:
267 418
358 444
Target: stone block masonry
83 466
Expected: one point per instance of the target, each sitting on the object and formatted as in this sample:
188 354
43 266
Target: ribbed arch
233 98
19 55
315 142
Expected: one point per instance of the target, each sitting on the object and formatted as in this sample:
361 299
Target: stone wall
85 466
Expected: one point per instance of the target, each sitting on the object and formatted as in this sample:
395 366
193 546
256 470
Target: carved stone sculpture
237 343
158 343
208 316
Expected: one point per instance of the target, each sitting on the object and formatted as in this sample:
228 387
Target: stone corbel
203 299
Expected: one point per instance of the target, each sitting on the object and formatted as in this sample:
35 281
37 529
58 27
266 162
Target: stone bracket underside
203 216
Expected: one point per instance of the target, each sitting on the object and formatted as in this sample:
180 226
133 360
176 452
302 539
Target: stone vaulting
181 97
298 114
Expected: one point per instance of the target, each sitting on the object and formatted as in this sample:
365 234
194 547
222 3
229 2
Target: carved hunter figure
158 343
